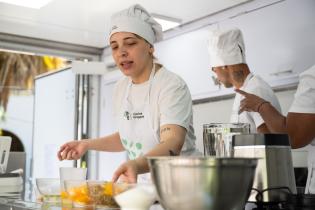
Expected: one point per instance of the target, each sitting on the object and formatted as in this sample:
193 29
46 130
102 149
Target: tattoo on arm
172 153
165 129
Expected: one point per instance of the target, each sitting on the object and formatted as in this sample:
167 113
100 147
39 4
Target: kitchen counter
9 204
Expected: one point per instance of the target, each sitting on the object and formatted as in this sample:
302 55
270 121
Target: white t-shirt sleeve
175 104
304 99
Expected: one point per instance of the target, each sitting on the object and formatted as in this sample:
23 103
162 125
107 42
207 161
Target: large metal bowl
202 183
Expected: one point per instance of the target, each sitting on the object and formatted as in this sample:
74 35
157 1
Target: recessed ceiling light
35 4
166 22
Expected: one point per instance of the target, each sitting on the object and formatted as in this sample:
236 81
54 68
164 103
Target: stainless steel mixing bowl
202 183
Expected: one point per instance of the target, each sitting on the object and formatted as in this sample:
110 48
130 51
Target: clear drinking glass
77 192
70 173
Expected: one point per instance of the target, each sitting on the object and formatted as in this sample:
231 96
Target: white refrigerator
54 121
74 103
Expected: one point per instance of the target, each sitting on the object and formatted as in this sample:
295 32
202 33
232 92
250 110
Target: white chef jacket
254 85
169 103
304 102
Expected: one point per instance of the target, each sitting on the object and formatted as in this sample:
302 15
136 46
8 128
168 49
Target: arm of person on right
300 121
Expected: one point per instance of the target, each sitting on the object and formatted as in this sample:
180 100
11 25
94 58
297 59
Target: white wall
108 162
277 37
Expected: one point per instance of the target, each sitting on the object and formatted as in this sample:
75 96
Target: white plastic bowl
134 196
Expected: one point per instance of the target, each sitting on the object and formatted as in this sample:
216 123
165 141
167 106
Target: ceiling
85 22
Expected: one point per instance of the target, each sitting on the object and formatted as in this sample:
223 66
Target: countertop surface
10 204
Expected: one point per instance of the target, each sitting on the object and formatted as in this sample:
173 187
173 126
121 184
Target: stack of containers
11 184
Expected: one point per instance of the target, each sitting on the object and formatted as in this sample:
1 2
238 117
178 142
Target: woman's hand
127 172
251 102
73 150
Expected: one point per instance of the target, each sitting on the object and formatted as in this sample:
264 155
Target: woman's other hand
73 150
127 172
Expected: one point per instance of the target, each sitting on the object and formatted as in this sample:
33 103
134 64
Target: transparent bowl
101 194
77 192
49 189
138 196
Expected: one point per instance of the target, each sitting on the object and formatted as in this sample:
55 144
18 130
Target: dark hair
139 37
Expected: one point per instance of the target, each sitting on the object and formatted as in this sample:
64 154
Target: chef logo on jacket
133 116
127 115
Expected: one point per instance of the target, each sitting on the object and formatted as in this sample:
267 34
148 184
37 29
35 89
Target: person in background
152 105
299 123
227 58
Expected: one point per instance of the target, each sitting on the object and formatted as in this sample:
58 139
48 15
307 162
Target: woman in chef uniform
152 105
299 123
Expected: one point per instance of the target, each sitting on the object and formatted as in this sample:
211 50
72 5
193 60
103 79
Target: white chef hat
226 47
137 20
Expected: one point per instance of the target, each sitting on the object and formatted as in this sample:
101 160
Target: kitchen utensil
202 183
217 137
274 173
5 144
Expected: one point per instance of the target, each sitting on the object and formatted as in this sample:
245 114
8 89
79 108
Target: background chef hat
137 20
226 47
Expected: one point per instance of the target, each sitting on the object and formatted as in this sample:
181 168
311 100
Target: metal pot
217 138
274 173
202 183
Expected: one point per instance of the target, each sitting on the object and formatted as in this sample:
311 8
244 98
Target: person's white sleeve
257 118
304 99
175 104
